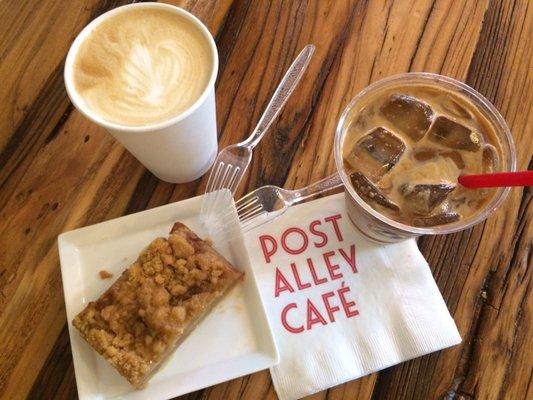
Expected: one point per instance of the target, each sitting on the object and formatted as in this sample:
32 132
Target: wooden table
59 171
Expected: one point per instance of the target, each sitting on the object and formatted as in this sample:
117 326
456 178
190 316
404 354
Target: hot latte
142 66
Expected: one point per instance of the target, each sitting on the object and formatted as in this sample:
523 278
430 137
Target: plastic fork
269 202
232 162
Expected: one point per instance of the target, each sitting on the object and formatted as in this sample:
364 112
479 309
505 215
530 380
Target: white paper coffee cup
179 149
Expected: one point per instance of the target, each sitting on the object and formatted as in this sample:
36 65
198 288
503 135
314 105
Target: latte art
142 66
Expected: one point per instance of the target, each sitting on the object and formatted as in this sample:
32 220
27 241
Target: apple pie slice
152 307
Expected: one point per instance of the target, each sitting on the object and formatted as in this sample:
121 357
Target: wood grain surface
58 171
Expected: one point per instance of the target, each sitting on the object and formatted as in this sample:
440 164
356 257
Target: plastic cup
378 227
177 150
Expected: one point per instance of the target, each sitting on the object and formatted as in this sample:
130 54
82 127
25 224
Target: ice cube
427 153
423 198
376 153
490 159
369 192
383 146
454 108
438 219
456 157
453 135
363 119
408 114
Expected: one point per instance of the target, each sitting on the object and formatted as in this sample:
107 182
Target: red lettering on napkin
284 321
351 258
282 284
286 246
263 239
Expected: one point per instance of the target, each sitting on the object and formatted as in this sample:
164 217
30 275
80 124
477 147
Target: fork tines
248 208
224 177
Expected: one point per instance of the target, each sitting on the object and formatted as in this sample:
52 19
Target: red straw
500 179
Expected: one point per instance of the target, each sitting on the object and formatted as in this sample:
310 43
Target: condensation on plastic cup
179 149
380 228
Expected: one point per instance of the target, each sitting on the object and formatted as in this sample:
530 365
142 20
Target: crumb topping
103 274
142 315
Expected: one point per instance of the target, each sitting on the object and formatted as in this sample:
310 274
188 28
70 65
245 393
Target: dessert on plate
156 303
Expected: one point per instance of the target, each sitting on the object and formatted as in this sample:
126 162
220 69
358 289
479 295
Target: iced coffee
405 147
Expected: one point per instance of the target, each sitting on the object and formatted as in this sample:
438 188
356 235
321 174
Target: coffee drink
142 66
406 146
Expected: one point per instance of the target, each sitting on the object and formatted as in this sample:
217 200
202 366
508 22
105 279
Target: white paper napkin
340 306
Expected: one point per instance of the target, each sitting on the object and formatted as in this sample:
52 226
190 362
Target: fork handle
282 93
331 182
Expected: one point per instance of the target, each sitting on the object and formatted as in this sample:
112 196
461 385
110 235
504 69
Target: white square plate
235 339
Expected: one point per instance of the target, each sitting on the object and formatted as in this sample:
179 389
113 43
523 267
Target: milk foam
142 66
